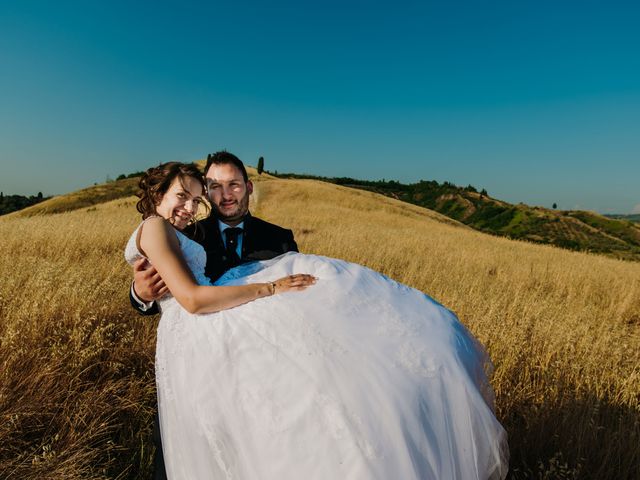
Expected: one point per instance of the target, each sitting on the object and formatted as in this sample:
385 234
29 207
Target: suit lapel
212 238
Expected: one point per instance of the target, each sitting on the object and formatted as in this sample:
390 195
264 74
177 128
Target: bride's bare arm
159 243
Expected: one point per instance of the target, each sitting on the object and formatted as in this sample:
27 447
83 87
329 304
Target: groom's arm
143 308
146 288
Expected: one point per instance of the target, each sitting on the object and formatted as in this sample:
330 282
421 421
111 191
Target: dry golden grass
76 383
76 378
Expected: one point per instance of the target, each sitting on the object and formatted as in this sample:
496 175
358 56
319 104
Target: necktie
231 235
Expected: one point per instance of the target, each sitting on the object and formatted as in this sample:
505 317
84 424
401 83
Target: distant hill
86 197
575 230
614 235
631 218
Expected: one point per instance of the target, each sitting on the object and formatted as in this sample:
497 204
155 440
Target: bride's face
180 203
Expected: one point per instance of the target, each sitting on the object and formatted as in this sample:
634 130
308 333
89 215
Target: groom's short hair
225 158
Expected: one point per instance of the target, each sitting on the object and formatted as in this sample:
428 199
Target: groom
230 236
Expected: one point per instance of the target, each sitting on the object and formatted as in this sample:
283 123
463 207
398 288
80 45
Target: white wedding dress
357 377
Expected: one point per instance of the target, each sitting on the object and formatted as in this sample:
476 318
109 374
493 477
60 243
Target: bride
358 377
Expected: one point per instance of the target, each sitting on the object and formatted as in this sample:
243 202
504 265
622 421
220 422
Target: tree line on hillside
478 210
424 189
122 176
11 203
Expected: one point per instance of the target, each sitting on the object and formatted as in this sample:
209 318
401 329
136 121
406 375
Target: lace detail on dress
195 256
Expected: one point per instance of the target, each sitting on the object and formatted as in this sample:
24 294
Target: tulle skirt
357 377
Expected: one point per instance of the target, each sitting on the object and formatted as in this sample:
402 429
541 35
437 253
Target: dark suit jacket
261 241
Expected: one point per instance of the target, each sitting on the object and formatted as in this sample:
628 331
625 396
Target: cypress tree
260 165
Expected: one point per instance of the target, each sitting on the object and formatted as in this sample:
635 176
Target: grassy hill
616 236
77 383
86 197
575 230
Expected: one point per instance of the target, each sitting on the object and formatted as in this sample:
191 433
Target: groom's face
228 193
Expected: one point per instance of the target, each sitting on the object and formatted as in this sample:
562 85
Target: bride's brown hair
157 180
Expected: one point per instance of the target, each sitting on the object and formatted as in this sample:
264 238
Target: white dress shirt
223 226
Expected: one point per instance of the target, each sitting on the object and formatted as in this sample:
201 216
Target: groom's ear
249 187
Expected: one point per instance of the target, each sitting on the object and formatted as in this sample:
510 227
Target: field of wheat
77 392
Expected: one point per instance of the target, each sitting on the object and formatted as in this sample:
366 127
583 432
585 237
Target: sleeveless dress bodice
193 253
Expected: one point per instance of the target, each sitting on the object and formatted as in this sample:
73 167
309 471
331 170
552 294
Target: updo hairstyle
157 180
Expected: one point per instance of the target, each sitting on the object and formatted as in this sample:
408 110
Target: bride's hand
296 282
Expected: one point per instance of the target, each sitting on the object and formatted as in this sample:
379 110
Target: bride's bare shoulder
154 222
155 230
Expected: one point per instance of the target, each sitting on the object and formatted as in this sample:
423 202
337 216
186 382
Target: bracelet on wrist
272 286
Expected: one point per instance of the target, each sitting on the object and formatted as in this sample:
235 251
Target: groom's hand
147 283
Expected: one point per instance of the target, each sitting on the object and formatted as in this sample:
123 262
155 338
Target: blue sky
538 102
